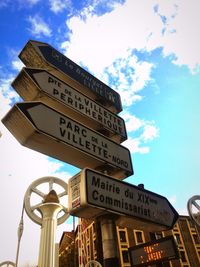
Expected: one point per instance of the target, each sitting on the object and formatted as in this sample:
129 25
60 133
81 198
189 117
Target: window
192 224
139 237
158 235
95 245
154 236
178 238
183 258
94 227
196 238
88 233
125 256
166 264
122 236
88 250
175 227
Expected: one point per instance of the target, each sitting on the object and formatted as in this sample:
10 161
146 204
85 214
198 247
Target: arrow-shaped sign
40 85
43 129
42 55
92 193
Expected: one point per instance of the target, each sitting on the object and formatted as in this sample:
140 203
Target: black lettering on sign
120 161
107 186
128 194
79 74
143 198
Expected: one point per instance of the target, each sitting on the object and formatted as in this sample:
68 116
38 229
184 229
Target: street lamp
194 209
7 264
43 206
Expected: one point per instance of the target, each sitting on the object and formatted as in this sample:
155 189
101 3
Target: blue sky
148 51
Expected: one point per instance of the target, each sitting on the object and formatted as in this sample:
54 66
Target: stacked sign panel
32 84
74 115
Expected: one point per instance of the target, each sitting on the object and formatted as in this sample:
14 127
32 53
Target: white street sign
92 193
40 85
42 55
43 129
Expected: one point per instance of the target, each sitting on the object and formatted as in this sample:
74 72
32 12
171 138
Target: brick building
185 232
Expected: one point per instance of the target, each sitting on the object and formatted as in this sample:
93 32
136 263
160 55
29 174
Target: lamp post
193 206
93 263
51 214
7 264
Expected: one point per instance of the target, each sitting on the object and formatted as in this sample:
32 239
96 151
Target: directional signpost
38 84
43 129
72 117
80 127
42 55
91 194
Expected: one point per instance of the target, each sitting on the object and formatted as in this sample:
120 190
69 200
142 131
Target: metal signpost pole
109 241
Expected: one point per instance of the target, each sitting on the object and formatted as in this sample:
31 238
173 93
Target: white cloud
59 5
98 41
172 199
106 38
150 133
4 3
6 95
29 2
132 122
135 146
182 36
33 2
24 3
143 130
38 26
129 76
17 64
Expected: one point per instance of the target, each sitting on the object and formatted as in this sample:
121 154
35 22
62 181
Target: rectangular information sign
154 252
91 193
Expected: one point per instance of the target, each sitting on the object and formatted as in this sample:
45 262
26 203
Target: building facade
85 243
